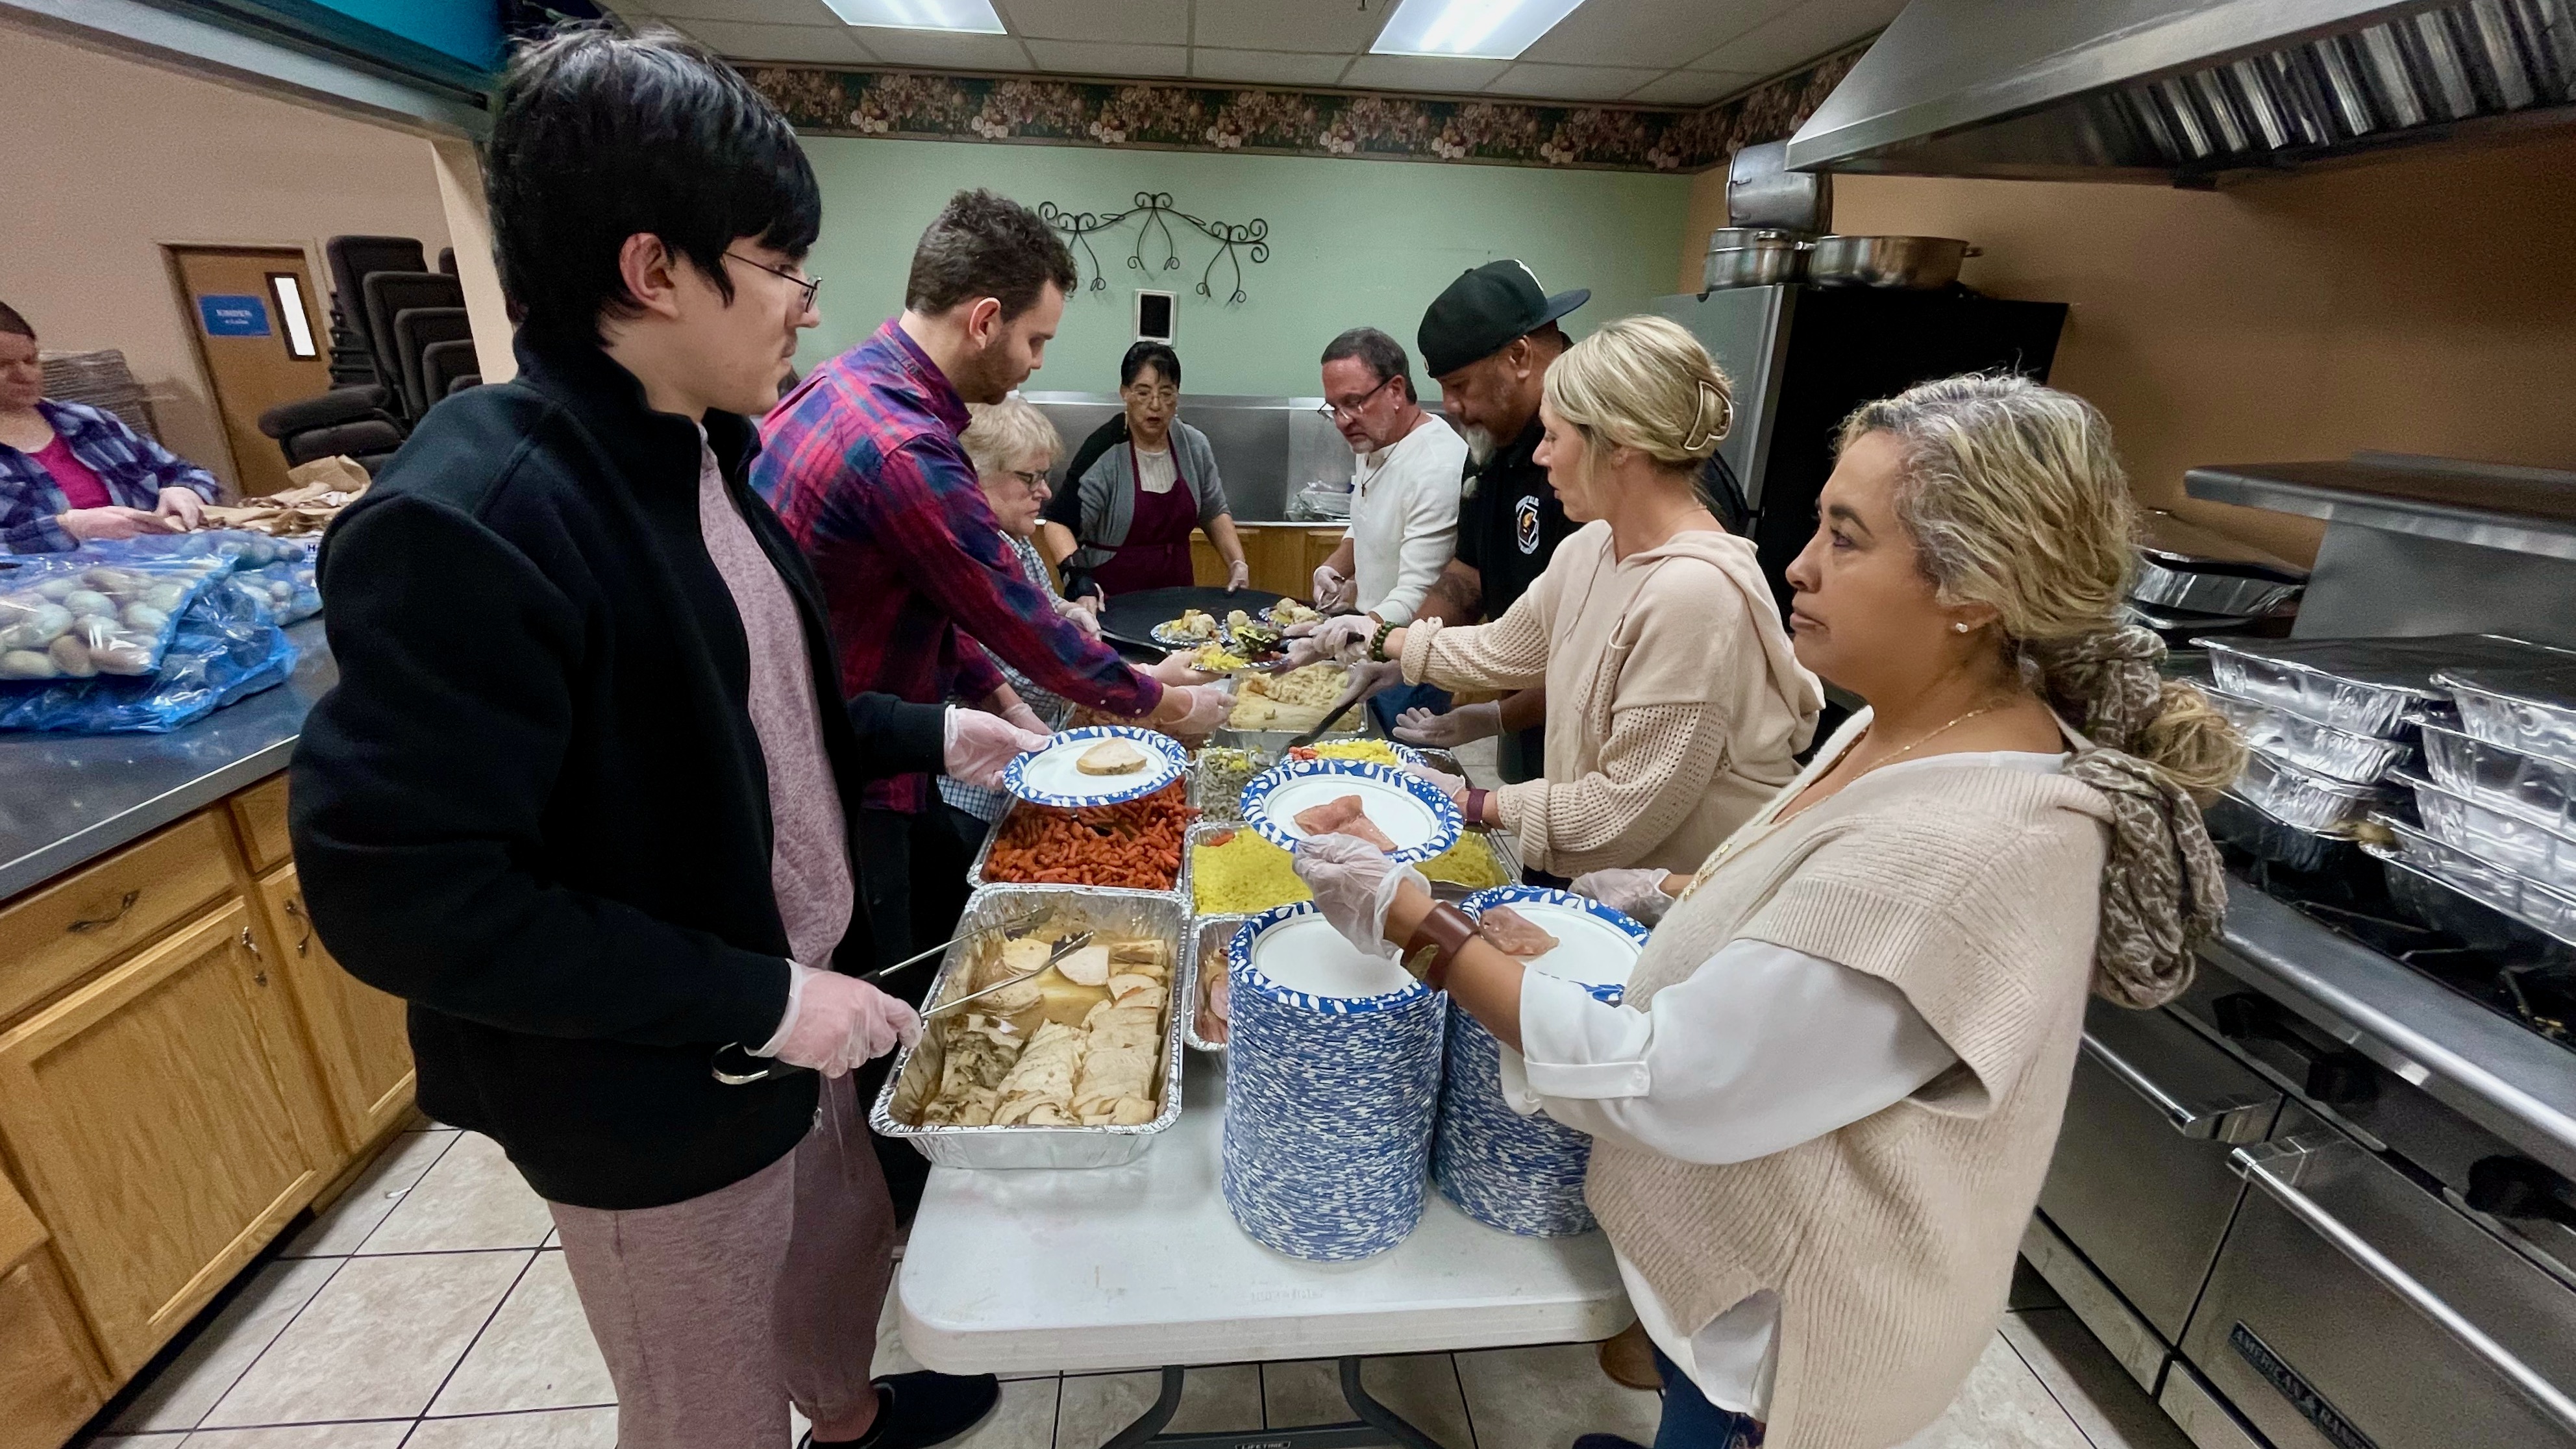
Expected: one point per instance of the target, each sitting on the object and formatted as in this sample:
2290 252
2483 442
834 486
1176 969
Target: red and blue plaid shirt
134 468
863 463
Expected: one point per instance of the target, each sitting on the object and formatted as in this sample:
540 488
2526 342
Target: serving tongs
736 1067
1327 722
1063 948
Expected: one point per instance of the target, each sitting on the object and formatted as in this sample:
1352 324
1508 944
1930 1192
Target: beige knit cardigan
1674 703
1975 890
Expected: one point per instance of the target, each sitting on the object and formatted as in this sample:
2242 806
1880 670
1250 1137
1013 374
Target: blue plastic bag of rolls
221 644
276 572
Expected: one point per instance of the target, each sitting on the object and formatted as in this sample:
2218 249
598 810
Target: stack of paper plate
1521 1174
1332 1076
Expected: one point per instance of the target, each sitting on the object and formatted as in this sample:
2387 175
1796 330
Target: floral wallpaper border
924 105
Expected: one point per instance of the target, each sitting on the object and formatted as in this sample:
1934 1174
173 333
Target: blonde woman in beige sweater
1822 1115
1674 704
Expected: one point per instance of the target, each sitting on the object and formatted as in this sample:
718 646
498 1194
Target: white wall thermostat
1154 314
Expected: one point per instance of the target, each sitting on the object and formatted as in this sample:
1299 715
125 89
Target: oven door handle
2226 1119
2274 1167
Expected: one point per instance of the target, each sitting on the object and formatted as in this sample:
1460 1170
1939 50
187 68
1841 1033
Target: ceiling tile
827 44
1800 35
939 48
1084 57
1422 73
1307 25
1147 22
1650 33
1570 82
1267 67
1691 87
756 12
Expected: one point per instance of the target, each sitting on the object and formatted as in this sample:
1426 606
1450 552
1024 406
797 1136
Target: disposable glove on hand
1447 784
1447 731
1080 613
1237 574
836 1022
1355 885
1333 593
1638 894
978 745
1342 639
1175 668
1368 679
1208 707
1026 719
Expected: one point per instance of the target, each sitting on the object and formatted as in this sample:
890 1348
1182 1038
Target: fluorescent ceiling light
973 16
1488 29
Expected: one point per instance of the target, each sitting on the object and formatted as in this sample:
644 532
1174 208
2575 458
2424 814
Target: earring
1958 628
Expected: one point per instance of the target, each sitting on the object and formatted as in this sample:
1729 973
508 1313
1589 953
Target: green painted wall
1351 243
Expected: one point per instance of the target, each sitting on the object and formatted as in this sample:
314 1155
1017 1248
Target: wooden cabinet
1282 556
259 813
50 1383
63 930
163 1118
358 1033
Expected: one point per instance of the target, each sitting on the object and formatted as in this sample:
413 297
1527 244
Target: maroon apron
1156 554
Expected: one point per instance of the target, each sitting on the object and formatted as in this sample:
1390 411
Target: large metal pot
1760 192
1741 256
1924 262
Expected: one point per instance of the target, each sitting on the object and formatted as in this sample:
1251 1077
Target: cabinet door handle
2229 1119
304 927
83 927
251 944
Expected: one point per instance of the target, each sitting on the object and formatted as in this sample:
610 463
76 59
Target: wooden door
359 1034
159 1119
49 1383
258 327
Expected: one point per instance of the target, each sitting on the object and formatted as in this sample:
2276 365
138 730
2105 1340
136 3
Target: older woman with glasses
1124 524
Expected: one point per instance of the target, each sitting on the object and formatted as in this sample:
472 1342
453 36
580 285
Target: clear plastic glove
112 521
1333 593
1638 894
1207 708
1447 784
1026 718
1448 731
834 1022
1080 613
1237 574
1354 885
1342 639
1368 679
181 508
1175 668
977 745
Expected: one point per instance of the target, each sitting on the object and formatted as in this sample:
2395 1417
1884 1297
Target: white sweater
1404 518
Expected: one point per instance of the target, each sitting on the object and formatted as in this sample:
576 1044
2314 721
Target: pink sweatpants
716 1312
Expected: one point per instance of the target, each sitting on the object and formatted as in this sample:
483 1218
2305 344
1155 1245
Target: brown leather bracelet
1443 933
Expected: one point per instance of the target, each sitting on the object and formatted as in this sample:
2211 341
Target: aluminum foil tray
1209 938
2234 596
2498 837
2532 709
2340 754
2302 798
2550 912
975 868
2362 685
2233 822
1209 792
2535 787
916 1068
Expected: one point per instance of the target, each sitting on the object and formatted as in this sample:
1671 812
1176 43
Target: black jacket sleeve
419 787
899 738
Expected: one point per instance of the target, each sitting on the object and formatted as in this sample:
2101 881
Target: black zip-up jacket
535 807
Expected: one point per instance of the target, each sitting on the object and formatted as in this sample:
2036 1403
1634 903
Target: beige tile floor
428 1309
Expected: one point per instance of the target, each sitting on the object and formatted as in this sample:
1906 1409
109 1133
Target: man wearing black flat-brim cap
1487 340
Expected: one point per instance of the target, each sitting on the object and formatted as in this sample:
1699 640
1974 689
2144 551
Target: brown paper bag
339 473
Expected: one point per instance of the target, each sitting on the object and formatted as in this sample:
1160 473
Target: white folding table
1137 1266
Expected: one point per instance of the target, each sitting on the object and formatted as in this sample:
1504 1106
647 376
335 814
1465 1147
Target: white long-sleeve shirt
1760 1049
1404 518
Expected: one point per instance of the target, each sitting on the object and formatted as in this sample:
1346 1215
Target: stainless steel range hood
2186 91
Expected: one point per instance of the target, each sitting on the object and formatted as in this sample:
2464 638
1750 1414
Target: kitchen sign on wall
233 316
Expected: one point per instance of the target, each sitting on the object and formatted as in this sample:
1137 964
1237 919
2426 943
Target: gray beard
1480 445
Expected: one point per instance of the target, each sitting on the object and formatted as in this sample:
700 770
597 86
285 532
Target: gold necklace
1741 837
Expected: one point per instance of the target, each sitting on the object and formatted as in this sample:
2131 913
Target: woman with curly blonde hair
1822 1114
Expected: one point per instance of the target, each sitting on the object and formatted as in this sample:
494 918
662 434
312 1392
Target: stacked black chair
352 259
445 364
389 295
416 329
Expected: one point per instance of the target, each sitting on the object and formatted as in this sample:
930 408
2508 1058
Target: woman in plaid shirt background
70 473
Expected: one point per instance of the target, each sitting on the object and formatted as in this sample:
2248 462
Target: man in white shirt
1404 496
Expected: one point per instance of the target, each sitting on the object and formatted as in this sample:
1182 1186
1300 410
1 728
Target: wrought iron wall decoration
1235 241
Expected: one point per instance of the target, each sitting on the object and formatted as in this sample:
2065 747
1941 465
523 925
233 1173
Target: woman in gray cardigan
1124 522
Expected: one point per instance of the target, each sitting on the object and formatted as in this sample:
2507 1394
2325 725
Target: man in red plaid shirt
863 462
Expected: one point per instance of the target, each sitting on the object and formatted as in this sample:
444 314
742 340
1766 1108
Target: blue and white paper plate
1330 1093
1416 816
1049 776
1596 946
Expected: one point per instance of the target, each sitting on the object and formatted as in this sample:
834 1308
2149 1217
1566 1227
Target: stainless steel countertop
2506 1077
66 799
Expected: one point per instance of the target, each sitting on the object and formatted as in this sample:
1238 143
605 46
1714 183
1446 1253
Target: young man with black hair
583 792
864 464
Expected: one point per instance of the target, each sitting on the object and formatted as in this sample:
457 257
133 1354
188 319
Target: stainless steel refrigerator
1803 357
